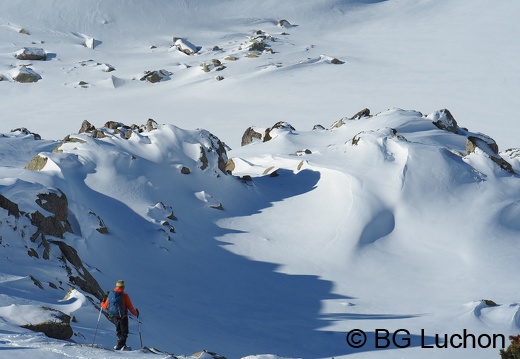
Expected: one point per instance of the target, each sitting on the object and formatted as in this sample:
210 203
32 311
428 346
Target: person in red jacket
118 304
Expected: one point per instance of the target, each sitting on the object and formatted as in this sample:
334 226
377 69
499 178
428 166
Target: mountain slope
394 220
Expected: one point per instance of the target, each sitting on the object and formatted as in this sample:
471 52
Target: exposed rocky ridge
442 119
210 145
36 230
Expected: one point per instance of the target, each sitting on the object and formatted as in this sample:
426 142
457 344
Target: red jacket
127 303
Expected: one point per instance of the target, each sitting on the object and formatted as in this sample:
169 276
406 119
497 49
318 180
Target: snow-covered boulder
485 143
253 134
185 46
31 53
204 354
90 42
57 328
284 23
361 114
444 120
26 132
51 322
489 147
156 76
25 74
277 128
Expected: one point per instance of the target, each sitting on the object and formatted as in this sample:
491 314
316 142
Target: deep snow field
379 223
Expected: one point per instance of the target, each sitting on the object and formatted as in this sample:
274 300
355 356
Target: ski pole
99 317
139 327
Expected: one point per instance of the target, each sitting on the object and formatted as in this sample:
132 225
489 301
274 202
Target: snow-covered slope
422 55
394 220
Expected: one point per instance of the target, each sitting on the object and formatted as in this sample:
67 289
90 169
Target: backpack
115 304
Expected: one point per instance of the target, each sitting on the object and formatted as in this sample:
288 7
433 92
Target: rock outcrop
80 276
444 120
490 148
249 136
57 328
40 231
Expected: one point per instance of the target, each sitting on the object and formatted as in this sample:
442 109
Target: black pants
121 324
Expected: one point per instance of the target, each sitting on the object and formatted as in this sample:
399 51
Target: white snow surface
383 222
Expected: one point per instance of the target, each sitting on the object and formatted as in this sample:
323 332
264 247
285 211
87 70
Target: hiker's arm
129 305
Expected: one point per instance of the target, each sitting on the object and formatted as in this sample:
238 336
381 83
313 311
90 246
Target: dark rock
102 228
55 203
32 253
11 207
57 224
249 136
36 282
113 125
219 207
484 143
156 76
58 328
98 134
336 61
490 148
214 146
363 113
284 23
83 279
444 120
257 46
86 127
27 132
246 178
203 159
185 170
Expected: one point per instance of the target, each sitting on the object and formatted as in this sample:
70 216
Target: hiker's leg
121 339
122 332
